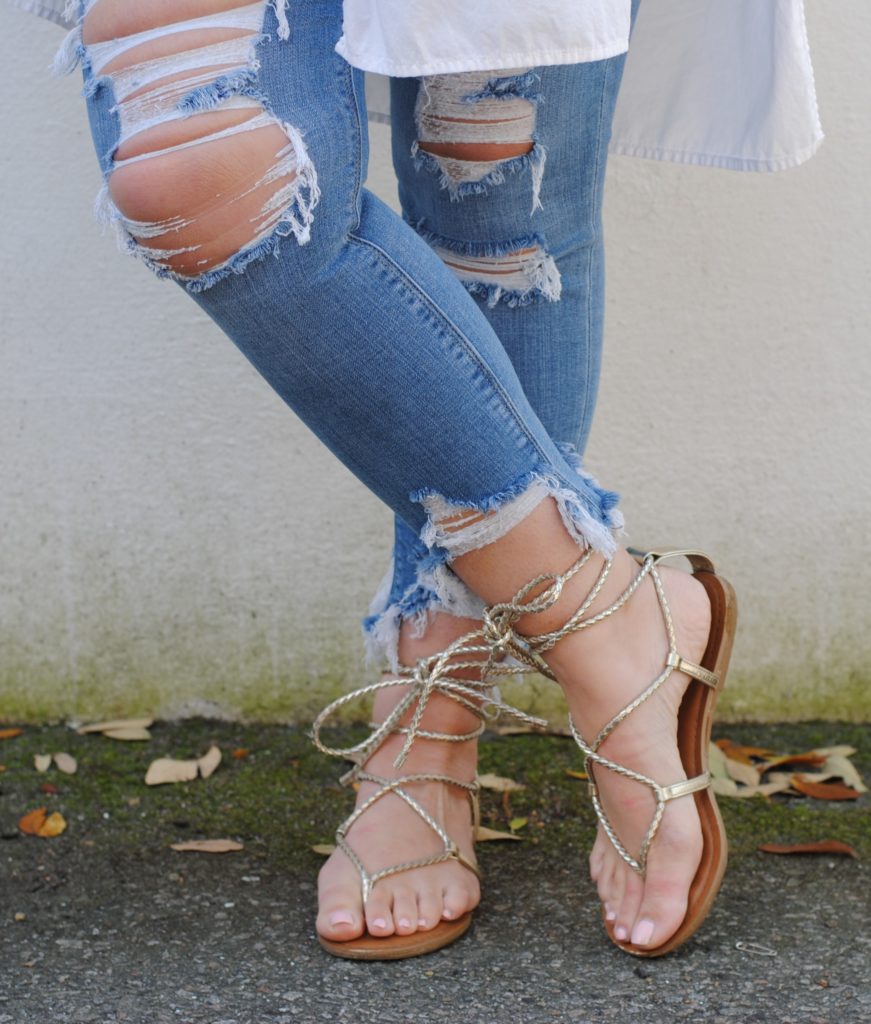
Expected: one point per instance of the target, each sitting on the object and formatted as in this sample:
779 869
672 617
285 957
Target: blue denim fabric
554 346
366 334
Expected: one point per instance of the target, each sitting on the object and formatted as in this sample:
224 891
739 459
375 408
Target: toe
339 915
429 909
457 901
670 870
405 914
633 893
379 918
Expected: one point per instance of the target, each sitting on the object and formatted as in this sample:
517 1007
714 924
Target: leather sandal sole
694 734
399 947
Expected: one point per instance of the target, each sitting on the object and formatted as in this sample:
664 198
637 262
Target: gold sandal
430 675
694 717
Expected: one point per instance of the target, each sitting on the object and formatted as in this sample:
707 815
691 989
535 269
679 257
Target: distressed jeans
449 357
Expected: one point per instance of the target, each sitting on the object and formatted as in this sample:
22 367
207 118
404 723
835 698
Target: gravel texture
114 926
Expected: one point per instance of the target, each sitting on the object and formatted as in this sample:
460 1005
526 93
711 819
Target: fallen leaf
836 751
740 752
741 772
837 766
724 787
168 769
207 846
324 849
134 801
48 787
810 758
488 835
35 823
761 789
576 775
32 822
499 784
10 734
130 733
42 762
823 790
2 767
65 763
821 846
209 761
53 825
116 724
20 917
240 752
516 824
717 763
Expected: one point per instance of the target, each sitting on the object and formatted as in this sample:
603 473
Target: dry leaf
2 767
516 824
499 784
240 752
761 789
717 763
207 846
65 763
823 790
42 762
821 846
209 761
740 752
835 751
35 823
132 733
810 758
9 734
324 849
837 766
724 787
32 822
53 825
741 772
488 835
48 787
576 775
116 724
167 769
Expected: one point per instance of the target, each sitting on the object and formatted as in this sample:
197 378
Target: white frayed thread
475 529
67 56
281 15
516 274
480 529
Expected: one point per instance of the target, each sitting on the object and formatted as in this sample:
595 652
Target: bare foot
602 669
390 833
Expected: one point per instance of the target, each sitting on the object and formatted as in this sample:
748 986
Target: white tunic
724 83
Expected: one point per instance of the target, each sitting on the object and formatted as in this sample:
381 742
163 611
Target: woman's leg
530 252
354 321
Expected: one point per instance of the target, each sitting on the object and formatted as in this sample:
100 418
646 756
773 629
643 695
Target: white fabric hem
43 10
729 163
481 62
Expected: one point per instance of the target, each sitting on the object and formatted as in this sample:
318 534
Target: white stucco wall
173 540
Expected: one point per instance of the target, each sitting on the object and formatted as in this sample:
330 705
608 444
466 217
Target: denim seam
358 142
467 346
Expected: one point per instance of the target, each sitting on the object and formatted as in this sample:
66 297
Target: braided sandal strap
530 649
432 675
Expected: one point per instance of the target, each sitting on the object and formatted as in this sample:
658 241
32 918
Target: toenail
404 922
421 922
642 933
610 915
621 933
379 922
447 913
341 917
